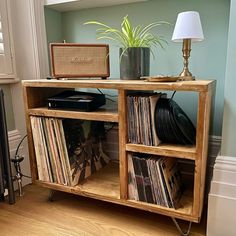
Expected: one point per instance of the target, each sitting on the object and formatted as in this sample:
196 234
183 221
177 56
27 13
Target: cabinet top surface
197 85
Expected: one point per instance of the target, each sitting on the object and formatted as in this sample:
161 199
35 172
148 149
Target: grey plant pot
134 63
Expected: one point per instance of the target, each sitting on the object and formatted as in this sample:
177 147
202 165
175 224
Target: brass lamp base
186 49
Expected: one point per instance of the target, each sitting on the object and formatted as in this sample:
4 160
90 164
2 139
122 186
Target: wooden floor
34 215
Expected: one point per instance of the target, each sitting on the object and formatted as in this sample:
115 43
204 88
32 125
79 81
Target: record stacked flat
172 124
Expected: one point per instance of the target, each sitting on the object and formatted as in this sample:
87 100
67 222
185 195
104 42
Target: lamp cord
173 95
17 149
16 154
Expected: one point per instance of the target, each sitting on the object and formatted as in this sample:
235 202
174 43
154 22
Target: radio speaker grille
79 60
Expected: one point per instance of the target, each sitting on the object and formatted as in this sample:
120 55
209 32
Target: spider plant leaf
101 29
127 30
115 33
113 39
96 23
128 36
136 31
147 28
123 51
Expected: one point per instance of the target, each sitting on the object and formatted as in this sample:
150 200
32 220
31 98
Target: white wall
229 119
30 61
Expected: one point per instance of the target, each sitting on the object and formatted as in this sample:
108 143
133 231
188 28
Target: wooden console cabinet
111 182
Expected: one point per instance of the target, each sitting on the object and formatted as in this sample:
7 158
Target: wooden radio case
73 60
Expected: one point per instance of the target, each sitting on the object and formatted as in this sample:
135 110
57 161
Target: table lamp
187 28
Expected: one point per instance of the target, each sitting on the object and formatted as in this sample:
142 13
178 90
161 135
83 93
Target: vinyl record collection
67 151
154 179
153 118
141 114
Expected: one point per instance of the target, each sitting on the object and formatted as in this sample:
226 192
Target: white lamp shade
188 26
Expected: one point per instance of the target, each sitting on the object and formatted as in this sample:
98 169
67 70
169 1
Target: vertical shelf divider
122 144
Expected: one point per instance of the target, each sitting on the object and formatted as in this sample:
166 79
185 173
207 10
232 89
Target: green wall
53 26
8 107
208 58
229 124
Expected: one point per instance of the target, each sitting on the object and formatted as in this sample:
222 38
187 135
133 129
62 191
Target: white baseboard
225 163
221 218
222 198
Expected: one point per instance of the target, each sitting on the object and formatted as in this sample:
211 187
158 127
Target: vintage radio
73 60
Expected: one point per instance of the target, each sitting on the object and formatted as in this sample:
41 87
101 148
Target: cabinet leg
180 230
19 182
51 195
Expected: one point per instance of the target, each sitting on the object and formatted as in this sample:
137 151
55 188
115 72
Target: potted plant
135 44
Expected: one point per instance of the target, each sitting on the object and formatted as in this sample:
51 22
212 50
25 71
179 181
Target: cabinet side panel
33 165
122 145
204 109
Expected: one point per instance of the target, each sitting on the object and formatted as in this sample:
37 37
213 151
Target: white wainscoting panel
221 218
14 138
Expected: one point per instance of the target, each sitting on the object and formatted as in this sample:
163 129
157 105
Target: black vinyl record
167 122
183 122
180 139
174 132
172 124
159 117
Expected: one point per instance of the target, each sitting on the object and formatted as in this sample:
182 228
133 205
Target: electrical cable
16 154
110 99
26 176
17 149
108 95
173 95
115 96
109 129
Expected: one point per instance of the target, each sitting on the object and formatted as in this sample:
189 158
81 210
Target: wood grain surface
71 215
111 186
196 85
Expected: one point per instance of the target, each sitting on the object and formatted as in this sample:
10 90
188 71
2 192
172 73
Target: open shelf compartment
105 185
